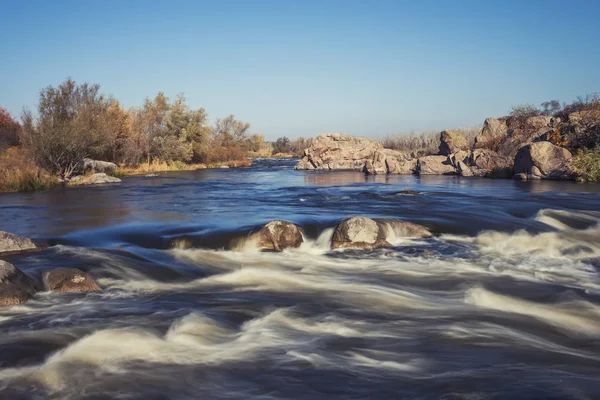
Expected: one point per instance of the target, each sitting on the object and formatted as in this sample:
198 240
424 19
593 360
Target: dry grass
425 143
162 166
587 164
19 174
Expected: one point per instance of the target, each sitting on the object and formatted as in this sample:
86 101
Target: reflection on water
503 303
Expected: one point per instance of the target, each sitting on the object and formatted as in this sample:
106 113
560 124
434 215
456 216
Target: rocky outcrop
278 235
435 165
452 142
482 163
492 132
95 179
69 280
10 243
334 151
543 160
15 286
387 161
358 233
95 166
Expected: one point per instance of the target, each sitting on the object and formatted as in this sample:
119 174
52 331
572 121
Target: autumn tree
9 130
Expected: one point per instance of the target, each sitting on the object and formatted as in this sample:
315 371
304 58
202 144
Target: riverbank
171 167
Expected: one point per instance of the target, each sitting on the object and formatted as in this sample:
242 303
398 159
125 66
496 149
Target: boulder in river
398 228
387 161
94 179
543 160
334 151
452 142
10 243
69 280
99 166
278 235
435 165
15 286
358 233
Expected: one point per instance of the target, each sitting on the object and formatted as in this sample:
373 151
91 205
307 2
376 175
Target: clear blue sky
298 68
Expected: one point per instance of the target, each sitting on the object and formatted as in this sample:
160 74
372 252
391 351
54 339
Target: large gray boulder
543 160
358 233
334 151
435 165
10 243
99 166
15 286
452 142
278 235
69 280
95 179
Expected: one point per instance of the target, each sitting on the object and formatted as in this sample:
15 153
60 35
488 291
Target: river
502 303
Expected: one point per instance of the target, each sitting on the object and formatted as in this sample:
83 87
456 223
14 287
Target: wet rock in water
278 235
12 243
435 165
543 160
69 280
452 142
400 228
358 233
99 166
15 286
94 179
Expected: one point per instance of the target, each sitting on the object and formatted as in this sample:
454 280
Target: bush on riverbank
587 164
18 173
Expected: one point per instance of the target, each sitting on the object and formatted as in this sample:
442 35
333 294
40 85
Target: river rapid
502 303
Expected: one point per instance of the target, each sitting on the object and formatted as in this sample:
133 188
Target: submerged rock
400 228
69 280
15 286
358 233
278 235
543 160
94 179
12 243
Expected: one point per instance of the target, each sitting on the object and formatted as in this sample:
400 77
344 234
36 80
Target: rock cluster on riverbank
505 147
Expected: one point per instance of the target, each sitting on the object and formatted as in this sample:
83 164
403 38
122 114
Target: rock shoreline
505 147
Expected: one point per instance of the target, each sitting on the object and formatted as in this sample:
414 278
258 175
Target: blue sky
298 68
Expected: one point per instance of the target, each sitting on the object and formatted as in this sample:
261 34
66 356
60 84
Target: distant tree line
74 121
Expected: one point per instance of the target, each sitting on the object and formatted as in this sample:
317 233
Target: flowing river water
502 303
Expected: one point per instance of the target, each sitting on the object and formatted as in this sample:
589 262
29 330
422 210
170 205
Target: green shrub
587 164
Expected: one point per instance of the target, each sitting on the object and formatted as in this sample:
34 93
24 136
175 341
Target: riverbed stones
543 160
358 233
15 286
10 243
69 280
278 235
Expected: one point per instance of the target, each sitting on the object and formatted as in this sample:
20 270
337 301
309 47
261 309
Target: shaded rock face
387 161
94 179
99 166
543 160
69 280
12 243
334 151
278 235
358 233
452 142
15 286
435 165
